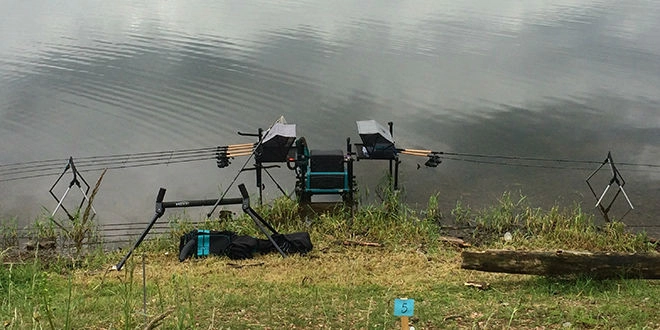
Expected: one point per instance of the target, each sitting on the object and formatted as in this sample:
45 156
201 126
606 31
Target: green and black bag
202 243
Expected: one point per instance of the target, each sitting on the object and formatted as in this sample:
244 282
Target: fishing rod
107 158
111 162
35 169
246 150
51 167
119 166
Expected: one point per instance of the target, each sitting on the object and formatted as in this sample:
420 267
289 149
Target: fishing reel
298 158
433 161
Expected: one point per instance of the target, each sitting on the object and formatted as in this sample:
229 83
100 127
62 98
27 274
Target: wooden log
556 263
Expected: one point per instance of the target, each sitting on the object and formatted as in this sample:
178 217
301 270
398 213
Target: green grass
9 234
338 286
341 287
533 228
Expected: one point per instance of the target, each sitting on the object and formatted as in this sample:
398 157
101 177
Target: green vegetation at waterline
338 285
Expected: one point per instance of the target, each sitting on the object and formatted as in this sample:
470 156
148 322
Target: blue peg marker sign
404 308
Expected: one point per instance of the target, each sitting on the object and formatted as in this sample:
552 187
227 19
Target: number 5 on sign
404 307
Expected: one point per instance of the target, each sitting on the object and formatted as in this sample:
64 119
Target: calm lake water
564 79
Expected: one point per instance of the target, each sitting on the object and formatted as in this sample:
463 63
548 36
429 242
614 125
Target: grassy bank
338 286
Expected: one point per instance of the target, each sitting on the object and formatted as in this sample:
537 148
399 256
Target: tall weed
9 233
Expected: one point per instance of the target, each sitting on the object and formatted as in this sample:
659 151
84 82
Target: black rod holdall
202 243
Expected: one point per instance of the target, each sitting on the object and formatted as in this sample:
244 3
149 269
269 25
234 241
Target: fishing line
35 169
537 159
515 164
163 157
127 163
51 167
108 157
92 158
486 162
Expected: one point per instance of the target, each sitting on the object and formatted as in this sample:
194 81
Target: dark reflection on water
569 80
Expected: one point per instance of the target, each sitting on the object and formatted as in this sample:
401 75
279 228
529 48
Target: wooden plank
555 263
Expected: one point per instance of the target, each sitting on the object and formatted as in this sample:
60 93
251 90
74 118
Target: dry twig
156 320
351 242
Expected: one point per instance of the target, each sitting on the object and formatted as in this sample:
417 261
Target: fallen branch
455 241
351 242
478 285
235 265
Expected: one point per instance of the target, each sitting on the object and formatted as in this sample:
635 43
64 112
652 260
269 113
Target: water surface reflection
568 79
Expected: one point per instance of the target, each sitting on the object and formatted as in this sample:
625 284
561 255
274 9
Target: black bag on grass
201 243
242 247
289 243
294 242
